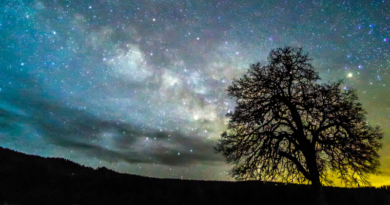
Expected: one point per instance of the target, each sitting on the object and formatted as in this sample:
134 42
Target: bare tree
288 127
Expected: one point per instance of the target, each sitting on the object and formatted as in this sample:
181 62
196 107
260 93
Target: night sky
140 86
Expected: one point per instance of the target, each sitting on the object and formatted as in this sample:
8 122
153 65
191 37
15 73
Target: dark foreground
26 179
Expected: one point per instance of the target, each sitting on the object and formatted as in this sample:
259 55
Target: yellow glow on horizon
376 181
379 180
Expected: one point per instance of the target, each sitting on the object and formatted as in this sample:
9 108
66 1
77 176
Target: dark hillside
26 179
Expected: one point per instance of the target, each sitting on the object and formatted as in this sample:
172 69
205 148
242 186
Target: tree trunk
315 180
319 198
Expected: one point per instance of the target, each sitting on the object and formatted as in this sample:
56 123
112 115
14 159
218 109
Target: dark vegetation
26 179
288 126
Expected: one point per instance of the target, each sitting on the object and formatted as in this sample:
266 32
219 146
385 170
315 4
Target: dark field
26 179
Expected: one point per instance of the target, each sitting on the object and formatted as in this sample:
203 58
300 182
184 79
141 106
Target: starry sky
140 86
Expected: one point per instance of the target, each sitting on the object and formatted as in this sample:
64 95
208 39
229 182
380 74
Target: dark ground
26 179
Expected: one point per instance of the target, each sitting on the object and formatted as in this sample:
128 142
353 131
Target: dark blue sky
139 86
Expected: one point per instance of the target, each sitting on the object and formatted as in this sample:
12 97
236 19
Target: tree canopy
286 126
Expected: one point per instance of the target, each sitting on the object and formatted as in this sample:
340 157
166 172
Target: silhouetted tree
288 127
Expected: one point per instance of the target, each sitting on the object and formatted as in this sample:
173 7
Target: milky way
140 86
